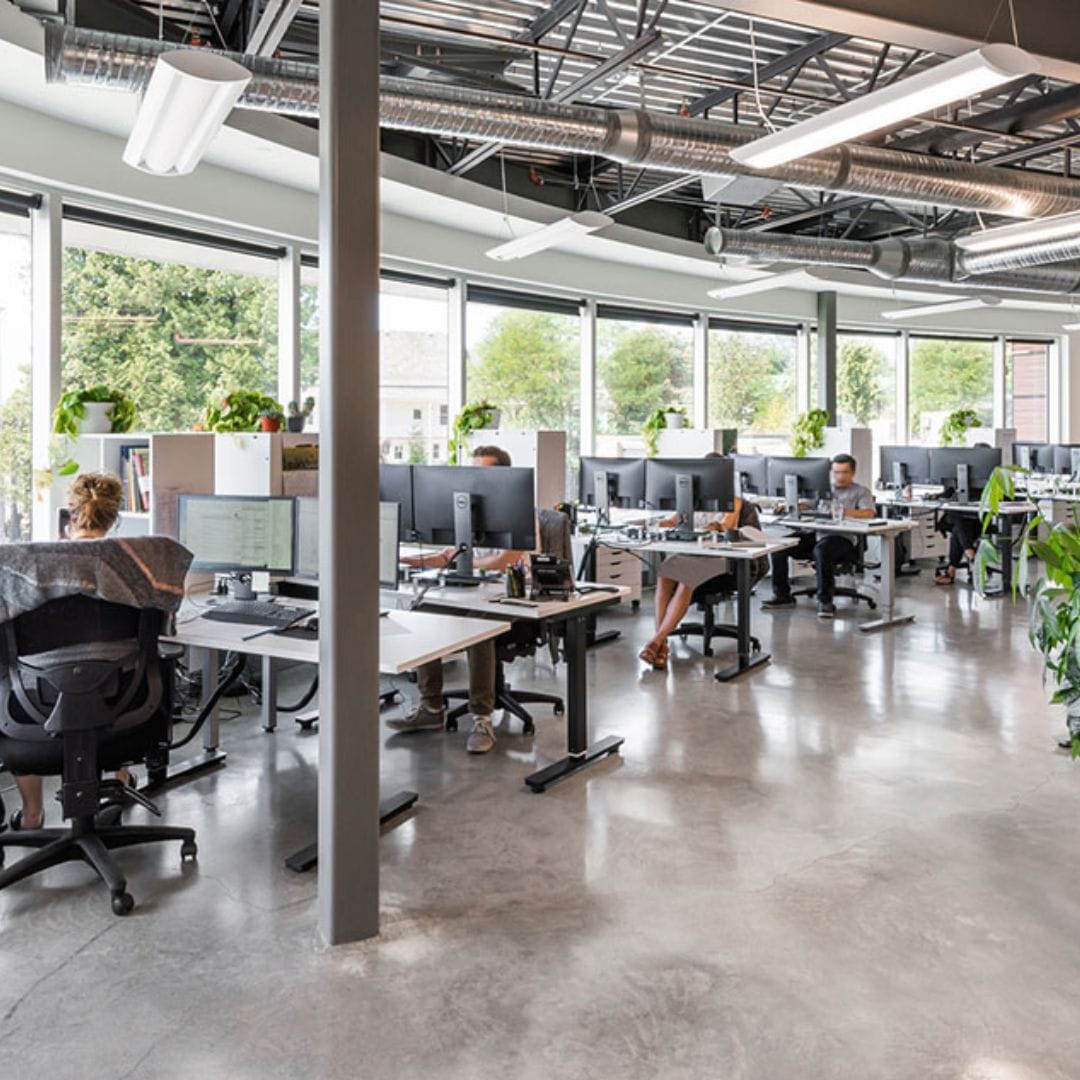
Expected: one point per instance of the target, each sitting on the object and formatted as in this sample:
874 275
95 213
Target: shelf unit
259 464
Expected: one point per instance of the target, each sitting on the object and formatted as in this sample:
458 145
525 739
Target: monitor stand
963 486
602 493
462 573
791 494
899 477
684 506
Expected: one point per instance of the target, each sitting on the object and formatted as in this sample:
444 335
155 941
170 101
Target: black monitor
688 484
607 482
965 468
1066 459
751 473
1033 456
902 465
483 506
396 486
238 533
812 475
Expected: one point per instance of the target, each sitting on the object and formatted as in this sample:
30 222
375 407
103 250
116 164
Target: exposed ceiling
667 56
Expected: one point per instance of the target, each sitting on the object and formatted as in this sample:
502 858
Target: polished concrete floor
861 862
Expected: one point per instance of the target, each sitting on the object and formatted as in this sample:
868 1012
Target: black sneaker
826 611
776 602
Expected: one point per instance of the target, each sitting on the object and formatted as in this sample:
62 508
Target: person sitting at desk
963 531
680 575
826 549
430 714
93 505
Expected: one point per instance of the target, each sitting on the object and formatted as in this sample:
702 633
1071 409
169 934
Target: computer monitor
396 486
306 559
809 477
965 468
688 484
389 544
901 465
1033 456
483 506
607 482
750 473
1064 459
238 533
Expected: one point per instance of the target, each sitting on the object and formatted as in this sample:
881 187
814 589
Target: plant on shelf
1054 627
658 421
240 410
475 417
116 414
956 426
300 414
271 420
808 432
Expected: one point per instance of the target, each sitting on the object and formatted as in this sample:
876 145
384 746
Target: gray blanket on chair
139 571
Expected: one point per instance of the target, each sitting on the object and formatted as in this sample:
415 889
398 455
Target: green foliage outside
862 372
947 375
639 369
751 382
16 473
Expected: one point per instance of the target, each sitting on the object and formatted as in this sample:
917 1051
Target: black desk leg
747 661
587 572
308 858
580 753
159 776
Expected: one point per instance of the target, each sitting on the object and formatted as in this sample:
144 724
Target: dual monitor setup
1056 459
965 469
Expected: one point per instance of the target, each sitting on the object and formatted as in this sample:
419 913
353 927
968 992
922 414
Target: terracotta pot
269 423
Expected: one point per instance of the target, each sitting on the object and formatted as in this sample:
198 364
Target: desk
888 533
574 613
743 558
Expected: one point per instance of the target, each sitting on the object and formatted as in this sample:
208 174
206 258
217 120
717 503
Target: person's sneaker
826 611
776 602
420 719
482 737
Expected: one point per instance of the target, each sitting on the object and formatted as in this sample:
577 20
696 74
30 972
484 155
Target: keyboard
256 612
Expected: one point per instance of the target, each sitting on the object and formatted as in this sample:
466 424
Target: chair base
707 633
848 591
508 700
92 844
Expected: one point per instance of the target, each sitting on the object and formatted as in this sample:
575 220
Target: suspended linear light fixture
758 285
962 77
1021 234
189 95
558 232
970 304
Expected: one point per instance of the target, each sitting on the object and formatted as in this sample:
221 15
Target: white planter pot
674 420
98 418
493 423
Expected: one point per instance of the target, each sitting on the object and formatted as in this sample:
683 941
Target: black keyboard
255 612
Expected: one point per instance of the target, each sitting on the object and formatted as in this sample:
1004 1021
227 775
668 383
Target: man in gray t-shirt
826 549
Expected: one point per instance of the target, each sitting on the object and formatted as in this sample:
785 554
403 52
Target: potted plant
1054 627
270 420
674 416
299 415
95 410
240 410
809 432
956 425
478 416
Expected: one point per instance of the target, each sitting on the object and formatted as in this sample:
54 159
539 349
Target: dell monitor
238 534
903 465
396 486
1033 456
750 474
795 478
967 468
1065 459
688 484
608 482
486 506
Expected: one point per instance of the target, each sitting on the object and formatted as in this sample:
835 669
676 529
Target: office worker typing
850 500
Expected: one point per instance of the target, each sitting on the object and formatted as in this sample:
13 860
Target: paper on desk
748 532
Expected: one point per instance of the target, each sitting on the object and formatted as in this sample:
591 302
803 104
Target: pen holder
515 582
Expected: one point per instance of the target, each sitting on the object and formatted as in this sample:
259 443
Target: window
752 384
644 362
309 342
948 374
15 345
524 356
866 383
414 370
168 323
444 416
1027 371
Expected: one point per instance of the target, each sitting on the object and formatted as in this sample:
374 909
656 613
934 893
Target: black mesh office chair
83 690
523 639
854 567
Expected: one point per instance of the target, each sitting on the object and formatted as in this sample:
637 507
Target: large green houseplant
658 421
956 426
67 423
239 410
474 417
1054 628
808 432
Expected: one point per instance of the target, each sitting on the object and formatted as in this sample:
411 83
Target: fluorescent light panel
1021 234
962 77
1070 326
970 304
190 93
550 236
758 285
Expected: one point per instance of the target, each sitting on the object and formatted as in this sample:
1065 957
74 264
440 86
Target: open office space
538 538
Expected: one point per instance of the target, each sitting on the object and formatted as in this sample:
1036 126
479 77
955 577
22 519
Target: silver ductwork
1020 258
914 262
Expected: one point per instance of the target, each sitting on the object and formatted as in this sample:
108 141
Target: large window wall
866 366
946 374
15 344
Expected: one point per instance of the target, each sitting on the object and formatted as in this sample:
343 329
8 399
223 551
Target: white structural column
289 388
587 417
701 372
903 390
348 903
1067 413
1000 389
802 369
47 302
456 346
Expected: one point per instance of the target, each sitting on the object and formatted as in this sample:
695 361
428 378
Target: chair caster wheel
873 606
559 710
528 729
451 725
189 850
122 903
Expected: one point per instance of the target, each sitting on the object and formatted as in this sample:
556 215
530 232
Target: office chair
854 567
523 639
83 690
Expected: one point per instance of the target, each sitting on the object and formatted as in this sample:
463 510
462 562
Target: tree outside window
948 374
752 381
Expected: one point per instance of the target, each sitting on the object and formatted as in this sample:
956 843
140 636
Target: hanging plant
70 410
809 432
657 422
956 426
475 417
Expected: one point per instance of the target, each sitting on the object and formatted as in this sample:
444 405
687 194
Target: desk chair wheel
558 710
872 605
308 721
122 903
189 850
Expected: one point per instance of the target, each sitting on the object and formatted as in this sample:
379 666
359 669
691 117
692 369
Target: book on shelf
135 478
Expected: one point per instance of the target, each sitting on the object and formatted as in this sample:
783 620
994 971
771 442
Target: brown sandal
661 658
655 655
947 578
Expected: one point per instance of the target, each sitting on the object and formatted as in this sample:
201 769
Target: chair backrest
555 534
45 653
